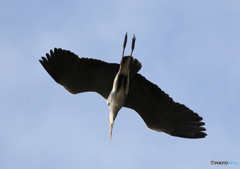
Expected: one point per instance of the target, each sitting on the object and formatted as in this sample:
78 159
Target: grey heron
122 86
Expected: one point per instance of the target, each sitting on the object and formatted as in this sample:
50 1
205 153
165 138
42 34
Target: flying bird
122 86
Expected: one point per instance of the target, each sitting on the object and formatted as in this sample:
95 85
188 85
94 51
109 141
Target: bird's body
119 91
122 86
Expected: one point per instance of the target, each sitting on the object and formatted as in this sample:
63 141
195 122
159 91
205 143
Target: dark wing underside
156 108
160 112
79 75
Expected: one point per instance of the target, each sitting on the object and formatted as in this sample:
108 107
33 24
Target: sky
190 49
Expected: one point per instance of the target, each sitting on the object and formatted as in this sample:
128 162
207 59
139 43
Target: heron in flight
122 86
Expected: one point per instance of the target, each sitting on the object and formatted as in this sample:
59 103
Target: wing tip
193 132
51 64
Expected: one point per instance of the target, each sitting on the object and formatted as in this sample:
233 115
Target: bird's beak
111 127
112 116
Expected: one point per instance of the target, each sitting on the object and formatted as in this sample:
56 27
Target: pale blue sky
189 49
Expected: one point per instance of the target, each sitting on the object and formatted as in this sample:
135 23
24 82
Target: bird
122 86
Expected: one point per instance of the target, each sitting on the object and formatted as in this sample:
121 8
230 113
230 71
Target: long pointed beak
111 127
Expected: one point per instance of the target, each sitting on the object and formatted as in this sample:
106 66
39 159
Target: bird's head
112 115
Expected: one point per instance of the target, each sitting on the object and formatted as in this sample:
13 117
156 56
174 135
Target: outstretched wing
82 74
160 112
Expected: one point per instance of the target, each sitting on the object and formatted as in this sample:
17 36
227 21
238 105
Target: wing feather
82 74
160 112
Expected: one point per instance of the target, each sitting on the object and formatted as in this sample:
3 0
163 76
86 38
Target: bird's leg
124 44
133 43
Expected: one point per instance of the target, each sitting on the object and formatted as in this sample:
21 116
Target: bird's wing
160 112
82 74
